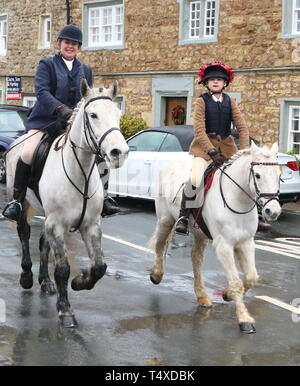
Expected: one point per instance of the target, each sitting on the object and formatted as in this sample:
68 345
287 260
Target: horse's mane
75 111
236 156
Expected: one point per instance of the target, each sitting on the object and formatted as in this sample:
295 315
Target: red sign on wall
13 87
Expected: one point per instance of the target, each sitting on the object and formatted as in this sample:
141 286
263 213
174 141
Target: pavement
292 207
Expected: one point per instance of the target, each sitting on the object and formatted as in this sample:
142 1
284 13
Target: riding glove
217 158
63 112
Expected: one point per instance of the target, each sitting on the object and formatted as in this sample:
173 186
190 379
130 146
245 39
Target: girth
197 212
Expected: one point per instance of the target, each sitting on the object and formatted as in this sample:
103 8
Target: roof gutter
68 11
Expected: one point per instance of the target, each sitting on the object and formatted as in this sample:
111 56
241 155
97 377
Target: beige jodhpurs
198 168
30 145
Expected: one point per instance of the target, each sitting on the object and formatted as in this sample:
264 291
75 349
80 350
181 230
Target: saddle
40 156
197 212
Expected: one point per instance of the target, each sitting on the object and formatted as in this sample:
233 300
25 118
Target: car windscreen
147 141
12 120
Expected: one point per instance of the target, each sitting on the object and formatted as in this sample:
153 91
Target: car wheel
2 168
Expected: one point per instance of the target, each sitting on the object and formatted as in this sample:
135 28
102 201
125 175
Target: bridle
94 147
259 195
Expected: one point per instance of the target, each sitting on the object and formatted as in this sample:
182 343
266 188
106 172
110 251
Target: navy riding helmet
71 32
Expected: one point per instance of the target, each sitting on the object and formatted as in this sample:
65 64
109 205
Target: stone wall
250 40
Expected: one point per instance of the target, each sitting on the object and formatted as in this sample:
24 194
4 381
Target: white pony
72 195
230 213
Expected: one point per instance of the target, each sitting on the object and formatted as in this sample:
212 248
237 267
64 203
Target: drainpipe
68 11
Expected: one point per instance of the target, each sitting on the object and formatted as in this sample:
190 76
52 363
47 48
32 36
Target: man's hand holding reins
217 158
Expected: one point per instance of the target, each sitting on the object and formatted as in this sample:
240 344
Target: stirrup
182 219
18 210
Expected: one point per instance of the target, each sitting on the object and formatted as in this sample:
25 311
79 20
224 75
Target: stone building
154 49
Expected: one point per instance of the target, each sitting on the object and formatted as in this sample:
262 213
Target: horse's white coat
62 203
233 234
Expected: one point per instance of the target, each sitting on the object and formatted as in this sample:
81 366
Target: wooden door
171 103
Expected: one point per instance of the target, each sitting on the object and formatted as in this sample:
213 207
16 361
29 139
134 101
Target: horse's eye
93 115
257 175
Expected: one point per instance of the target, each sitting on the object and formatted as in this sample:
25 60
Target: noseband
259 195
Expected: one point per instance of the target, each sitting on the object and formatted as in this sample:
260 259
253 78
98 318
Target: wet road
126 320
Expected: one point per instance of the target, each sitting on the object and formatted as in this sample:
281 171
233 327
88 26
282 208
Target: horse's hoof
247 328
68 321
48 287
26 280
226 295
156 279
204 302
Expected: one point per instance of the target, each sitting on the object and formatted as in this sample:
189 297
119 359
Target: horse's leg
160 242
55 237
26 278
235 288
198 248
47 285
245 253
88 278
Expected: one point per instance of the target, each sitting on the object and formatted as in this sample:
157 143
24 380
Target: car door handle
147 162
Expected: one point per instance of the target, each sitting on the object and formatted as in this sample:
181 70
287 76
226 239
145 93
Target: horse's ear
113 89
84 88
253 146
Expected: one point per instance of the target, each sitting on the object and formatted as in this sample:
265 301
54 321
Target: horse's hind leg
47 285
55 237
198 248
160 242
235 288
88 278
26 278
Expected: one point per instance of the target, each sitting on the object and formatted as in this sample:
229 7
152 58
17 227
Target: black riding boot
109 207
14 208
182 224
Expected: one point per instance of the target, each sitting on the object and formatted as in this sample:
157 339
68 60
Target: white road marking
283 246
279 304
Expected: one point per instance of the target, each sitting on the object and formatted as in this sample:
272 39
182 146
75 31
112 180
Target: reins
272 196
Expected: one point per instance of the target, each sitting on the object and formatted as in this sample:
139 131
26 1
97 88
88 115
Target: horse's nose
268 212
115 153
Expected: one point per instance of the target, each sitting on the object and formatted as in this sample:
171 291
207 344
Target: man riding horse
57 85
214 113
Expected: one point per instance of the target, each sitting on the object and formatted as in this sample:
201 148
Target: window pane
171 143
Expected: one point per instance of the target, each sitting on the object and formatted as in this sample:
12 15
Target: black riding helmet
71 32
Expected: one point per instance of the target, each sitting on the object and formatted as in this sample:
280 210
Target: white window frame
105 24
3 34
45 31
290 141
29 101
198 21
296 17
120 102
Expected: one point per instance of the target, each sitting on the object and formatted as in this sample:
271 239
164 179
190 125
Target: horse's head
265 173
102 124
